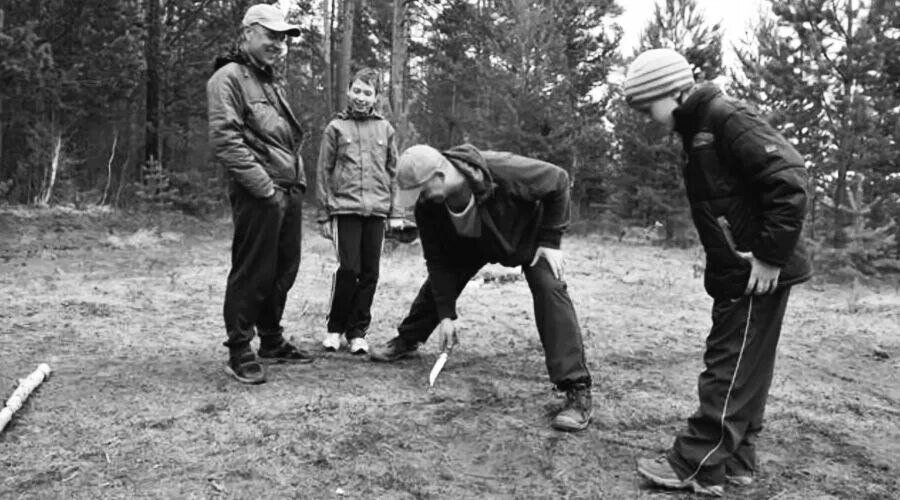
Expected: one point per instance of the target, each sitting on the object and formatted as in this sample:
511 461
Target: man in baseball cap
266 183
476 207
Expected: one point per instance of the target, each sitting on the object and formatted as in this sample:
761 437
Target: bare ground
127 309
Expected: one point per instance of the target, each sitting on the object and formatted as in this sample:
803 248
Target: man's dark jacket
253 132
746 186
522 204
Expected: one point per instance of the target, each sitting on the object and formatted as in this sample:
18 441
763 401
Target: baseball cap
271 17
416 166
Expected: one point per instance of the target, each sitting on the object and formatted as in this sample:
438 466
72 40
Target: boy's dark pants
265 256
554 314
358 242
740 359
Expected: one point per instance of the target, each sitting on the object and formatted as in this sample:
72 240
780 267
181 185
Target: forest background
102 102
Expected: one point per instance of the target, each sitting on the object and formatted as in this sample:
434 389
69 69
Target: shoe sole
570 427
245 380
382 359
279 361
739 480
715 491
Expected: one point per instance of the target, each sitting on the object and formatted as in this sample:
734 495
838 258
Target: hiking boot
393 350
359 345
284 353
660 472
577 413
332 342
245 367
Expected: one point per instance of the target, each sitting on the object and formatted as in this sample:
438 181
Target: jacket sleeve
441 272
777 177
537 180
226 136
324 170
391 168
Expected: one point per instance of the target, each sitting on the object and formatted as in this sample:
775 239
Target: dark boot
576 414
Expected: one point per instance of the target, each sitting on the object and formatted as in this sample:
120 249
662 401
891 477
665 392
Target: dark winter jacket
522 204
253 133
746 186
357 167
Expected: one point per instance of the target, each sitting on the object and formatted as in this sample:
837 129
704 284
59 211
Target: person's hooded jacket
522 203
357 167
253 133
746 185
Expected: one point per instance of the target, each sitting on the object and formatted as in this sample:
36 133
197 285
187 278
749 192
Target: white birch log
26 386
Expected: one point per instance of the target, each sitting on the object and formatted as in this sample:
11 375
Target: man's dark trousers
265 256
358 241
740 360
554 314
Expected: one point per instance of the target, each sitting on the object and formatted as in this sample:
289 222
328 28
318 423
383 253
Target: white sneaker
332 341
359 345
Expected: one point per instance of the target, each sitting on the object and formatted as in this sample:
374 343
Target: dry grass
138 405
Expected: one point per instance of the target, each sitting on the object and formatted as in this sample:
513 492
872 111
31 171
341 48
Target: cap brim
282 27
405 199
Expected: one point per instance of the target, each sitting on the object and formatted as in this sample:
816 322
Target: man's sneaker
577 413
245 368
359 345
332 342
659 472
393 350
284 353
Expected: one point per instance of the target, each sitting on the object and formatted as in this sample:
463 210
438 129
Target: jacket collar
688 114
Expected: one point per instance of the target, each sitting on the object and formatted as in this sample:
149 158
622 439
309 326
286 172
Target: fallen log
26 386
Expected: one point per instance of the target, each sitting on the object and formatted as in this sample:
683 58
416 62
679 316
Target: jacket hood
351 114
468 160
687 115
237 55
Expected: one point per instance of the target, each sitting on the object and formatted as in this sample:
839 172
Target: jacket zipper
362 187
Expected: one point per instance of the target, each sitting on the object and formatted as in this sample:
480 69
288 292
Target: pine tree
648 174
824 70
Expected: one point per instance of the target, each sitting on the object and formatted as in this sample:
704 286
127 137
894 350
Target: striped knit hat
656 73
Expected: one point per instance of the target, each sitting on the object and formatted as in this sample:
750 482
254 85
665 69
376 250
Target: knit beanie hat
654 74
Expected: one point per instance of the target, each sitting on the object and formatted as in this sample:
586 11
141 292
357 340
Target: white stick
26 385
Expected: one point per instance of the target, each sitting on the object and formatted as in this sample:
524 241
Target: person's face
435 189
264 44
361 95
660 111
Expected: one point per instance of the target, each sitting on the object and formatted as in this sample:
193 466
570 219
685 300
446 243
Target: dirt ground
127 311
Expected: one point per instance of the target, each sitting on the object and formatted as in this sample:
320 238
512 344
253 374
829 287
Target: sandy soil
127 311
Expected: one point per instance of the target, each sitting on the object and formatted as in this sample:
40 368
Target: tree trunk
399 51
348 12
151 56
1 139
328 11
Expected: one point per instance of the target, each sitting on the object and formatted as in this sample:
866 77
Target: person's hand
763 276
325 229
395 223
447 338
554 258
